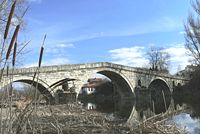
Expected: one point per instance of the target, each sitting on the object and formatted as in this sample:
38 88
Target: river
144 106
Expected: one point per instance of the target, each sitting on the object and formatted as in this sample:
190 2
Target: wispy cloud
54 54
162 24
55 61
62 45
77 32
59 50
36 1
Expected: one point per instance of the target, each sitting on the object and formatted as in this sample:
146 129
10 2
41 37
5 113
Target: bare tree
192 36
158 59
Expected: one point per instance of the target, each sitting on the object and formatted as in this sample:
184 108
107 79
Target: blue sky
119 31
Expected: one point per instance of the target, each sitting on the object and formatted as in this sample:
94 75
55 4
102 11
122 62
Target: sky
118 31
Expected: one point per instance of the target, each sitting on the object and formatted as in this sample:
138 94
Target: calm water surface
144 106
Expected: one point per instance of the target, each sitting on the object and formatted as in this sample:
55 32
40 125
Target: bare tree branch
192 37
158 59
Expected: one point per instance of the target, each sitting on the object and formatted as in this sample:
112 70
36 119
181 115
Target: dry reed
41 52
9 20
12 41
14 54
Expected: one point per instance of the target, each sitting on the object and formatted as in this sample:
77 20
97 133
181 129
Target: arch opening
40 87
64 91
108 92
121 86
160 96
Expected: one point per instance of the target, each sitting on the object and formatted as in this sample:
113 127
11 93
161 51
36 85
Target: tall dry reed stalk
7 114
9 20
14 54
7 26
10 49
6 125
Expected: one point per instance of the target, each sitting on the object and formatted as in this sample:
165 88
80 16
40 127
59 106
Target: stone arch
160 95
42 86
122 83
161 82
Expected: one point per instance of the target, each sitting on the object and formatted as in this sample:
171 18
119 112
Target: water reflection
120 109
191 102
145 104
185 121
191 118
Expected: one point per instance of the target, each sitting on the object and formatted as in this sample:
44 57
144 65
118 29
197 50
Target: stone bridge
125 78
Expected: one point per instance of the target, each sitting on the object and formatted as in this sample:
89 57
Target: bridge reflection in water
144 104
147 103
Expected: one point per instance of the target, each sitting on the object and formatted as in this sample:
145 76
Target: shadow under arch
160 95
121 85
40 87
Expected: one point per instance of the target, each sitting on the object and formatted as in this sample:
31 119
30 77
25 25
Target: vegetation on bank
190 93
193 86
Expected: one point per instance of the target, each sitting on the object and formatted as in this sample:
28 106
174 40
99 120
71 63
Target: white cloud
178 56
134 56
55 61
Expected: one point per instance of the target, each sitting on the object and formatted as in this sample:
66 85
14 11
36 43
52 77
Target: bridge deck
68 67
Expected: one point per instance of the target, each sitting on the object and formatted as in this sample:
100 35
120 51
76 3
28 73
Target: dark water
145 105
